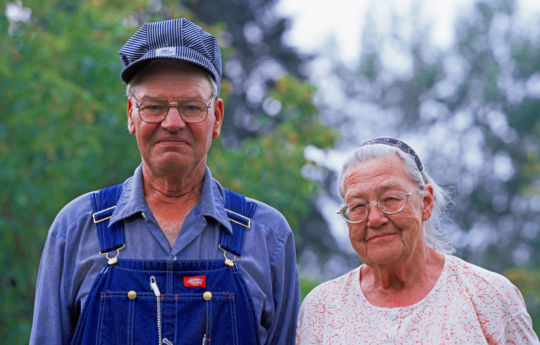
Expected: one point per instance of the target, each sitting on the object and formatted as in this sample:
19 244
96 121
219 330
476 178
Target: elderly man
169 256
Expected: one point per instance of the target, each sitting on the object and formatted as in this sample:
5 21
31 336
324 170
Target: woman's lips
381 237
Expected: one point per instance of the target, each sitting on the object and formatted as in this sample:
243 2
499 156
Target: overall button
132 294
207 296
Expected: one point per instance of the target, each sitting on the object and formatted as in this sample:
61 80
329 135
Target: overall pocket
127 317
207 318
142 318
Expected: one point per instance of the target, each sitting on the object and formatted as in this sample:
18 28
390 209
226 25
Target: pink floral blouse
467 305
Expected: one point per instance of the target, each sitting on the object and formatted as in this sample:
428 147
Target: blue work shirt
71 259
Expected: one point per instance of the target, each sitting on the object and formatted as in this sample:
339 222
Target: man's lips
172 141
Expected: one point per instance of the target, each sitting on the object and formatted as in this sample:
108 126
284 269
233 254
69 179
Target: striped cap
177 39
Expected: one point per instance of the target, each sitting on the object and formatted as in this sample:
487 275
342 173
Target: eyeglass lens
389 204
154 111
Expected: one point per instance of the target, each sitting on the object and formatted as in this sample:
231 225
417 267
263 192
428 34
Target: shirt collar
212 201
210 205
131 200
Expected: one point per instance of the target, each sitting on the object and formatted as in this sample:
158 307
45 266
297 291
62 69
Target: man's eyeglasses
389 203
155 110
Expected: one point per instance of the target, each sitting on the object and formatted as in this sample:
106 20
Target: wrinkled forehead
377 173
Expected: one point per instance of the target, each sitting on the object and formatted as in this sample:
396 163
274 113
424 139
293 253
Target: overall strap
239 211
103 204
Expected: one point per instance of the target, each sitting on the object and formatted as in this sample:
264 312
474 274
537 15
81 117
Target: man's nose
173 119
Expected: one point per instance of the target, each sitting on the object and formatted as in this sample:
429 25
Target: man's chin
178 163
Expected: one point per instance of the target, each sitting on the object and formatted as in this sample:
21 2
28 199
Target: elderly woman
409 289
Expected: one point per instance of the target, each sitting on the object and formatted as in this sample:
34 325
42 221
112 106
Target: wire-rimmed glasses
389 203
154 110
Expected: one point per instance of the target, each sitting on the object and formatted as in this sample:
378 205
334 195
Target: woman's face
383 239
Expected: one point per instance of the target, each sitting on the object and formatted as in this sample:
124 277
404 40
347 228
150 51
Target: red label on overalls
198 281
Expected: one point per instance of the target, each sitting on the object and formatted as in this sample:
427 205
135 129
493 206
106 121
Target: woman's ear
428 201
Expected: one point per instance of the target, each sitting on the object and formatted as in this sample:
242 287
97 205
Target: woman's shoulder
335 290
482 284
475 273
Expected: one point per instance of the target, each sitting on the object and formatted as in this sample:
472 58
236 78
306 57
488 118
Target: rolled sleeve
66 261
286 293
52 322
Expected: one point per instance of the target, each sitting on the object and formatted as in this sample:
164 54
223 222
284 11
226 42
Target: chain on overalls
168 302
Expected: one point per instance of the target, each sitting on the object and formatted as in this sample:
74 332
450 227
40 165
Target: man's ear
218 118
131 119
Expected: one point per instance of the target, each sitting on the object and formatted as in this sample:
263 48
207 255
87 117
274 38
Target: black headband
400 145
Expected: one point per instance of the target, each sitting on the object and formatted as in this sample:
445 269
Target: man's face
174 145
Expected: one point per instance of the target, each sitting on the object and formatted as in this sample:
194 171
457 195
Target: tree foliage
528 281
63 129
257 59
62 133
273 113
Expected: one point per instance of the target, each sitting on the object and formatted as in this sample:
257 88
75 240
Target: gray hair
434 228
137 78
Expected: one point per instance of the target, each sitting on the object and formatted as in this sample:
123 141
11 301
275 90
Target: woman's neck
403 283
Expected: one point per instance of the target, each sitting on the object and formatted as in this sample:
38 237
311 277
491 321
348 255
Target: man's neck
171 198
166 187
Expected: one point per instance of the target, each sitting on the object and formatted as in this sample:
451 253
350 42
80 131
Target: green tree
264 98
62 133
269 167
257 58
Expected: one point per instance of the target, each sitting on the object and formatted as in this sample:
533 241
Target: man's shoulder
77 207
265 216
267 213
76 214
270 223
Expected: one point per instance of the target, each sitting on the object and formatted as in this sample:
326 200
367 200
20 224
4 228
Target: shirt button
392 316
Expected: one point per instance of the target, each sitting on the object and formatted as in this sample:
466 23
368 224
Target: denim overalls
168 302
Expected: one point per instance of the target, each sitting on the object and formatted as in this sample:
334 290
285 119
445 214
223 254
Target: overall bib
146 302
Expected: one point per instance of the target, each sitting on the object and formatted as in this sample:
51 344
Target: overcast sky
316 21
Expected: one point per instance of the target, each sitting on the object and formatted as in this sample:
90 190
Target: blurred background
304 83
